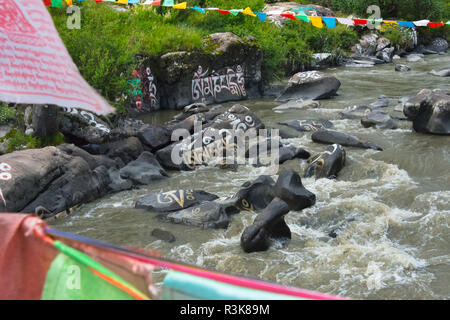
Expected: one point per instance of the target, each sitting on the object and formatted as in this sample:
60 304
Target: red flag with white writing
35 66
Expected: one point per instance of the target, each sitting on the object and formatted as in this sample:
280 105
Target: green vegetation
17 140
106 46
7 114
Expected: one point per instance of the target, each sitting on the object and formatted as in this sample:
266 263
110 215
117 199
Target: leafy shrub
7 114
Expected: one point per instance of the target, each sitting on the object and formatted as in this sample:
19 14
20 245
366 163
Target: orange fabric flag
316 21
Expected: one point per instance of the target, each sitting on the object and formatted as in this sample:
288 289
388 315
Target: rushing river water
390 209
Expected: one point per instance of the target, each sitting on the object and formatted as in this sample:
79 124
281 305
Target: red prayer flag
361 22
224 11
53 78
289 16
435 24
47 3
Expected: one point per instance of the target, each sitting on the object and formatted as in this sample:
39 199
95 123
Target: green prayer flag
235 12
56 3
303 17
168 3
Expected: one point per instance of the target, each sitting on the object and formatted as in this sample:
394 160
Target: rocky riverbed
379 229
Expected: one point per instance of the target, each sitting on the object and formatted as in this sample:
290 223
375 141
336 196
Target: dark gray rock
173 200
143 170
332 137
117 182
327 164
163 235
308 125
430 111
84 127
402 68
290 189
310 85
290 152
438 45
298 104
380 120
254 195
155 137
381 102
355 112
206 215
127 150
45 121
268 224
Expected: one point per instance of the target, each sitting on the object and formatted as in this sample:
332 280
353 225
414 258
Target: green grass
7 114
17 140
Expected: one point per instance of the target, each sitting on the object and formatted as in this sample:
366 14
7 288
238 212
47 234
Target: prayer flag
421 23
235 12
198 9
435 24
316 21
360 22
248 11
408 24
346 21
330 22
56 3
168 3
261 15
181 6
51 79
224 12
288 15
302 17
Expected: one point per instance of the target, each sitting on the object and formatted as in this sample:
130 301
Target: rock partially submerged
308 125
442 73
269 223
143 170
429 111
173 200
310 85
332 137
380 120
327 164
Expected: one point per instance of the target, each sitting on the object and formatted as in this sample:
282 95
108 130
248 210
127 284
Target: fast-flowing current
389 210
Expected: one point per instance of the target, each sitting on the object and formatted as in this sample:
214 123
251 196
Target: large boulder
173 200
82 127
228 69
268 224
327 164
143 170
438 45
280 7
430 111
310 85
48 180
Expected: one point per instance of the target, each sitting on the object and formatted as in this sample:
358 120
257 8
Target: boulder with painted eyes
173 200
332 137
238 117
326 164
253 195
308 125
290 189
269 224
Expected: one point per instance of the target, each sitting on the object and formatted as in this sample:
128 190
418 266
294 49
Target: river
390 209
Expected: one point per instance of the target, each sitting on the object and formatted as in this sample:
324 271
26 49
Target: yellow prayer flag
180 5
248 11
316 21
390 22
122 1
69 2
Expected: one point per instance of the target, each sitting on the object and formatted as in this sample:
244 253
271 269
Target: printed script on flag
35 66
